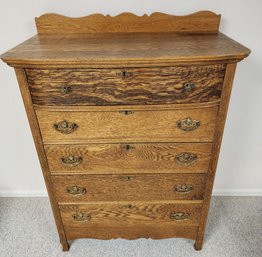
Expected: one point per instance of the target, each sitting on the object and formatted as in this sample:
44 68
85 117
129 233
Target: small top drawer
131 86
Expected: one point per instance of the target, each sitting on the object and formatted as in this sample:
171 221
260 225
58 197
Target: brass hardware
66 207
129 147
76 190
188 87
183 188
71 160
126 112
81 216
125 74
186 159
65 127
188 124
179 215
65 90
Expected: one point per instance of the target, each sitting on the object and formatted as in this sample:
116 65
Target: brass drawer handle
81 216
71 160
179 216
188 87
76 190
126 112
183 188
65 90
65 127
186 159
188 124
125 74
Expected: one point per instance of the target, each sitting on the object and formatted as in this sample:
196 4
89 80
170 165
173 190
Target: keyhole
125 74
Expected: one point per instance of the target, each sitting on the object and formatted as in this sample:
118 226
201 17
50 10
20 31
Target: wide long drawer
132 86
131 213
129 158
86 188
136 125
131 231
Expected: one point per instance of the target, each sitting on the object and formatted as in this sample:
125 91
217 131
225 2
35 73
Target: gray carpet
234 229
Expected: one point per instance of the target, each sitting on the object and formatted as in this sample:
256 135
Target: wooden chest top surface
103 49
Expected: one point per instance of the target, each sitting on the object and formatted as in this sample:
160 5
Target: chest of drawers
127 115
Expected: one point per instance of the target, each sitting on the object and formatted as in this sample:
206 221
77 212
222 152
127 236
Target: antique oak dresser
127 115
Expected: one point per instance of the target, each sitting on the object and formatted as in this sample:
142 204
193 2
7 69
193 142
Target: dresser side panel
220 123
22 80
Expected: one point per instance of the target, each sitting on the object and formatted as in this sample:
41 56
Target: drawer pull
71 160
76 190
125 74
188 124
65 127
179 216
81 216
65 90
186 159
126 112
183 188
188 87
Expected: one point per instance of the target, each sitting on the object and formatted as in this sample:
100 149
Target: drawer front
86 188
159 85
184 125
131 213
131 231
129 158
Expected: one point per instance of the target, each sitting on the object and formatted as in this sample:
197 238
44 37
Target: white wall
239 170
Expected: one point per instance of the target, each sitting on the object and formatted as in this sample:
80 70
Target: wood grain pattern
145 126
124 50
21 77
220 123
157 85
131 232
199 22
131 213
129 158
128 187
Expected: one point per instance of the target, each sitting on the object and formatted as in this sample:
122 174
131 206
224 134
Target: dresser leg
65 246
198 245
